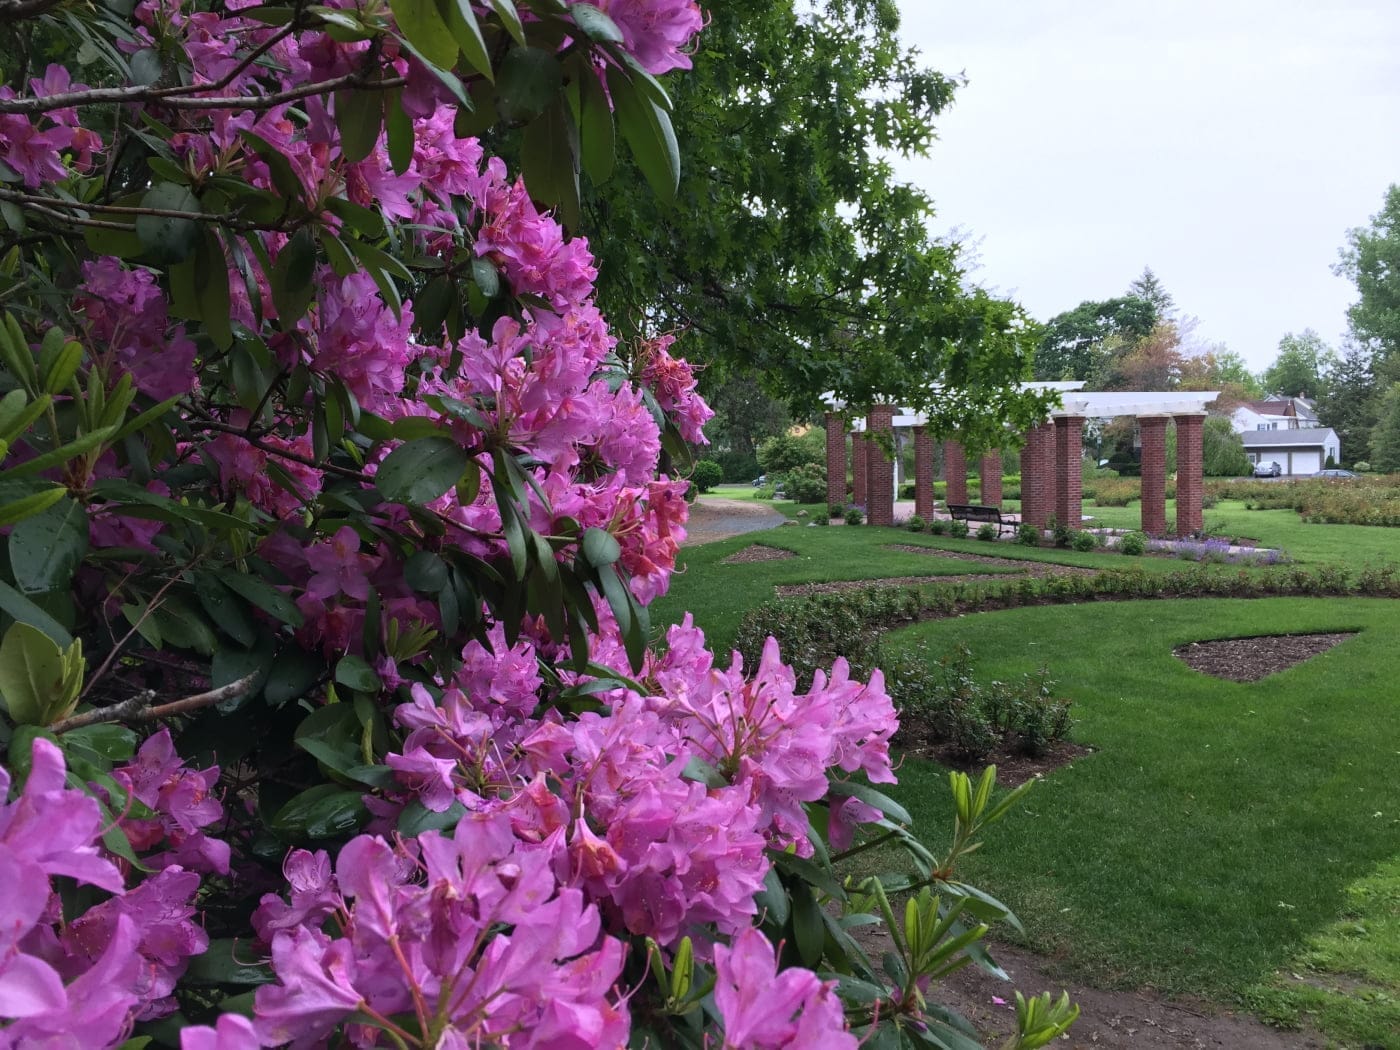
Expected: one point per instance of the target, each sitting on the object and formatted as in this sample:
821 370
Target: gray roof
1303 437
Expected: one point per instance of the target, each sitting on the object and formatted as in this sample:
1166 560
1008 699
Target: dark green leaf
166 238
211 289
322 812
291 676
291 279
510 18
398 127
353 672
886 805
596 133
549 158
461 20
263 595
228 961
421 471
359 115
529 80
22 609
46 549
600 548
420 23
597 26
417 818
647 129
426 572
225 608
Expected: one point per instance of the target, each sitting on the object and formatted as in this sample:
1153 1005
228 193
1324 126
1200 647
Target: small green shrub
938 526
835 510
1028 535
1063 533
1084 541
957 529
806 483
765 491
986 532
1134 544
1361 466
855 516
707 474
915 524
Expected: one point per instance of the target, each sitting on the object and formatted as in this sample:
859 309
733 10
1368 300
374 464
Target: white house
1286 431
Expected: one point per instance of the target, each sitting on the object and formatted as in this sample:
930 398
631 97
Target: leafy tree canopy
1081 343
1371 260
792 254
1299 368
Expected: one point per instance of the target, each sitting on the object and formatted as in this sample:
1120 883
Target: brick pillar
879 469
1038 475
1190 474
923 473
1069 478
858 468
955 471
1154 474
835 460
990 472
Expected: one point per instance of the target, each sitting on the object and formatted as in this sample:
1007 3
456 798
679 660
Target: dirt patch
1250 659
1107 1020
1014 767
757 552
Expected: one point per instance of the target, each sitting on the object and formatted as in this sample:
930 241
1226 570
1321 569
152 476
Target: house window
1262 426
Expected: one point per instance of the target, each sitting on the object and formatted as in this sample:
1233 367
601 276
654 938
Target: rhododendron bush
332 512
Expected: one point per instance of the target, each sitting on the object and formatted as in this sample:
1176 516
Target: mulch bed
757 552
1250 659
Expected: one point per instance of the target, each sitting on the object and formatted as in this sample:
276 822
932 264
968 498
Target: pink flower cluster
672 383
35 151
129 329
767 1009
181 802
85 982
471 934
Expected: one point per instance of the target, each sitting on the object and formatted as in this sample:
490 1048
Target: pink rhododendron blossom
183 803
764 1009
656 31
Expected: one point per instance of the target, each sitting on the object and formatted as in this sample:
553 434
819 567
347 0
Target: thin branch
138 708
181 97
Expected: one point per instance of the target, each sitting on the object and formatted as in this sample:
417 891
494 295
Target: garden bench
966 512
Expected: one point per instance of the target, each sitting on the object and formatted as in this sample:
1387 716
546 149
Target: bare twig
138 708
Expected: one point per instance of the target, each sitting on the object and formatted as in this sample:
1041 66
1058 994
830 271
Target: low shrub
855 515
806 483
706 475
1133 544
987 532
1063 533
1084 541
1361 466
938 526
835 510
957 528
915 524
765 491
1028 535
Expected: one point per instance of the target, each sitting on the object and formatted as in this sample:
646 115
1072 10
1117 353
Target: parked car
1267 470
1336 473
760 481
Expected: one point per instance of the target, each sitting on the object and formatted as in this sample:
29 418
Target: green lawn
1352 545
718 595
1218 836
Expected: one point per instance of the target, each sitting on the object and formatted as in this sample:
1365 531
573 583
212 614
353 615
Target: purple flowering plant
332 513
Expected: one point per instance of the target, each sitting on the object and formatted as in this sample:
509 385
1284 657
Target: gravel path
718 519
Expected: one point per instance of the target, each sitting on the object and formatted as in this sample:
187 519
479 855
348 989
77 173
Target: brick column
955 471
835 460
1190 474
923 473
1038 475
1154 474
858 468
990 472
1069 478
879 469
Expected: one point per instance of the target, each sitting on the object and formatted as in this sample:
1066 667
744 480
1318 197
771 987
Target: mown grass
718 595
1216 837
1350 545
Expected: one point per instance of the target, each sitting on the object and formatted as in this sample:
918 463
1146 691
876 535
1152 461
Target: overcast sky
1227 144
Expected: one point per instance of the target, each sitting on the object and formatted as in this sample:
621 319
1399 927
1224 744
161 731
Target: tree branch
138 709
19 10
182 97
